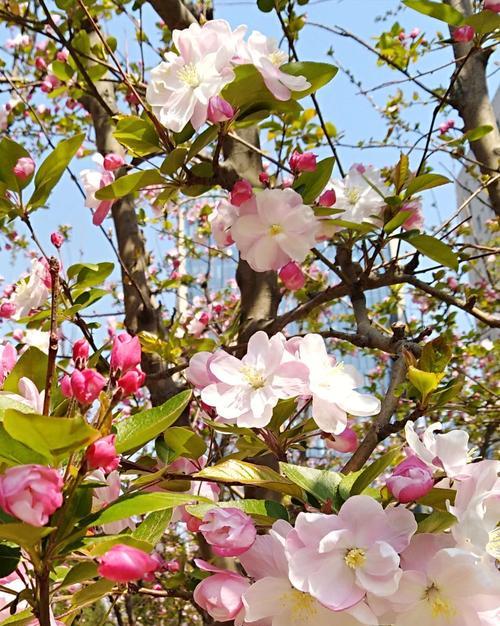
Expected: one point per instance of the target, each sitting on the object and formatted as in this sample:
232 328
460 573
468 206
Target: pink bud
229 531
86 385
57 239
452 283
102 454
124 564
113 161
131 98
126 353
402 36
292 276
62 56
81 350
7 309
492 5
410 480
40 64
65 384
445 126
24 168
347 441
305 162
264 178
220 595
241 192
327 198
8 358
131 381
172 566
219 110
464 33
415 32
31 493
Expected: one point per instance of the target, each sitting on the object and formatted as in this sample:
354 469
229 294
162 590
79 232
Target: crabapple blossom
24 168
219 110
332 387
356 195
34 292
416 218
292 276
57 239
123 564
221 219
8 358
220 595
102 496
339 558
7 310
198 372
86 385
102 454
31 493
228 530
464 33
492 5
92 181
276 227
125 353
410 480
113 161
328 198
132 381
81 351
241 192
347 441
447 451
250 387
302 162
28 395
264 178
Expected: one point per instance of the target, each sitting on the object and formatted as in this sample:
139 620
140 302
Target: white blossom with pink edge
102 496
332 387
250 387
32 293
443 451
92 181
28 397
274 227
356 195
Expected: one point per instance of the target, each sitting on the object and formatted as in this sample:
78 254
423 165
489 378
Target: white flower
32 293
356 197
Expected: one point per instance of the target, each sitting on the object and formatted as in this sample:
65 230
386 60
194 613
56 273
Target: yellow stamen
355 558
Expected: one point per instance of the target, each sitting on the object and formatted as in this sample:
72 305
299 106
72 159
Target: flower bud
126 353
492 5
464 33
65 384
220 595
347 441
219 110
86 385
292 276
40 64
102 454
305 162
241 192
410 480
81 350
229 531
131 381
327 198
24 168
113 161
124 564
62 56
57 239
264 178
7 309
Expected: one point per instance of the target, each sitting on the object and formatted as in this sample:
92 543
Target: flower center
254 377
275 229
353 194
440 607
302 604
189 75
278 57
355 558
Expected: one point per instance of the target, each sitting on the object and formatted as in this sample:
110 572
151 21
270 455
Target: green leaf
80 573
138 135
51 170
438 10
425 181
153 527
63 71
9 559
21 618
266 6
434 249
436 522
129 184
91 593
281 412
437 498
50 436
368 475
318 74
184 442
97 546
263 512
484 22
479 132
10 152
23 535
14 452
425 382
311 184
89 275
136 430
362 227
137 504
250 474
399 219
31 364
174 161
322 484
202 140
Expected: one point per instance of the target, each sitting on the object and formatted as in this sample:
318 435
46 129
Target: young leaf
31 364
138 135
438 10
322 484
368 475
138 429
311 184
174 161
434 249
436 522
264 512
23 535
153 527
14 452
425 181
425 382
317 74
184 442
129 184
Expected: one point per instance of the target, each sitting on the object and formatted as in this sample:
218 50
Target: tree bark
471 99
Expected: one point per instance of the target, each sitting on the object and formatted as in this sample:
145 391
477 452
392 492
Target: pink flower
86 385
410 480
292 276
452 283
241 192
62 55
444 127
448 451
40 64
102 454
24 168
229 531
220 595
103 496
113 161
415 32
492 5
125 353
49 83
81 350
347 441
305 162
327 198
339 558
131 381
7 309
92 181
8 358
57 239
464 33
264 178
65 384
221 220
124 564
31 493
250 388
198 372
416 219
219 110
276 227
